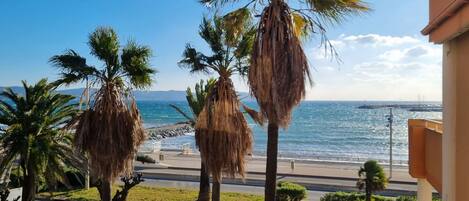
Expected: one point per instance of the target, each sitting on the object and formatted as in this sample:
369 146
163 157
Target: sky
382 54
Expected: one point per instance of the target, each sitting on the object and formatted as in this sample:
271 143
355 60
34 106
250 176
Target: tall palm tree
224 135
34 133
111 130
279 69
196 102
372 178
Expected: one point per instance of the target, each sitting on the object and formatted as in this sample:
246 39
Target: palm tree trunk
216 191
87 172
105 190
368 192
29 186
204 188
271 168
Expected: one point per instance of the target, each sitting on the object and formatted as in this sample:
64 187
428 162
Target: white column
424 190
449 122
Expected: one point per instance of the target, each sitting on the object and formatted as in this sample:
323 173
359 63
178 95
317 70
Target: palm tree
372 178
34 135
224 135
279 68
111 130
196 104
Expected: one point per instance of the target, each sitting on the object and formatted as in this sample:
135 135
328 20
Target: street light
390 119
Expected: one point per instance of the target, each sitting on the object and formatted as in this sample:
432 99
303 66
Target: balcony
425 151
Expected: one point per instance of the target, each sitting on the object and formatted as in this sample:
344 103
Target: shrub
343 196
287 191
412 198
145 159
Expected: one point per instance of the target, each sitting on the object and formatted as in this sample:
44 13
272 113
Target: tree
111 130
196 104
279 67
224 137
35 134
372 178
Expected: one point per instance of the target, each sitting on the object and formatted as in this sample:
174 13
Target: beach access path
314 175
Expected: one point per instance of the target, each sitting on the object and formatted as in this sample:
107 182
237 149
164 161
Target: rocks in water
178 129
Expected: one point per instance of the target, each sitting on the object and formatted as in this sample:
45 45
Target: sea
336 131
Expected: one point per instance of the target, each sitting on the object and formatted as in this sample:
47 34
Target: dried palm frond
255 115
224 137
279 66
110 132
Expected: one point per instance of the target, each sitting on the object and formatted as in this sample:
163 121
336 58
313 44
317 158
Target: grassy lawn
151 193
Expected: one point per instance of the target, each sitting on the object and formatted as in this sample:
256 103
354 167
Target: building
448 25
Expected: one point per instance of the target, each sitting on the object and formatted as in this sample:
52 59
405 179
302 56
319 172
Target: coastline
176 161
184 129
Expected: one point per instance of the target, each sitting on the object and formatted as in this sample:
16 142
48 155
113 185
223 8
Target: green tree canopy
34 133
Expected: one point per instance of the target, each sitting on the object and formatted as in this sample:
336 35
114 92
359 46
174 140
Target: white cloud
412 53
379 67
376 40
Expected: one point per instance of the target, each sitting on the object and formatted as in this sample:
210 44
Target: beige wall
456 119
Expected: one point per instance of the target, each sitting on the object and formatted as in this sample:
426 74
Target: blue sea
319 130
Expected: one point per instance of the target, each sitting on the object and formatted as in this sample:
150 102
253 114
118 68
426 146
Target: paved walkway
316 176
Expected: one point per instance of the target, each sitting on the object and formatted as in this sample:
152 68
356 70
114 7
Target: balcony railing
425 150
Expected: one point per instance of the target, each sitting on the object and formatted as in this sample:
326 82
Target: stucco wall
456 119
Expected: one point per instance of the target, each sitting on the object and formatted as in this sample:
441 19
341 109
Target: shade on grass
153 194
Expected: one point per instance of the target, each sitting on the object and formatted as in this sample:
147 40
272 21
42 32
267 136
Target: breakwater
408 107
168 131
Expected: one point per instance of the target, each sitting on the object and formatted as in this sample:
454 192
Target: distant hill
171 95
15 89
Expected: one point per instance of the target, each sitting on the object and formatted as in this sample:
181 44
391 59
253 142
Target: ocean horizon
319 130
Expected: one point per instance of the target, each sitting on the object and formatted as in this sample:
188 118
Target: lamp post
390 119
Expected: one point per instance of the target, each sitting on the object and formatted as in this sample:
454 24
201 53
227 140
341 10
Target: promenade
315 176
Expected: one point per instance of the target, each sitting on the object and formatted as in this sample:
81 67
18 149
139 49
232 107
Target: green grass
142 193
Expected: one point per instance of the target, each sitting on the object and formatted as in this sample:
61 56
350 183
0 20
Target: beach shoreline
183 129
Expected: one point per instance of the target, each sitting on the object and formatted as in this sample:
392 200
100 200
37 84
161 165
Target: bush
412 198
287 191
145 159
342 196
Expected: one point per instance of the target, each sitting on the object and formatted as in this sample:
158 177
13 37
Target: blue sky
384 57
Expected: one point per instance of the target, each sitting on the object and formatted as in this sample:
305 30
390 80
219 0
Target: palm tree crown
132 70
230 49
225 137
34 134
111 130
372 178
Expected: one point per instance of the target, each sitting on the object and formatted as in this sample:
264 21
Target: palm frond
335 11
180 111
255 115
194 60
136 63
212 33
235 24
104 44
72 67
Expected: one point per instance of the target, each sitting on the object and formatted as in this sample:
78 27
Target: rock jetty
174 130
